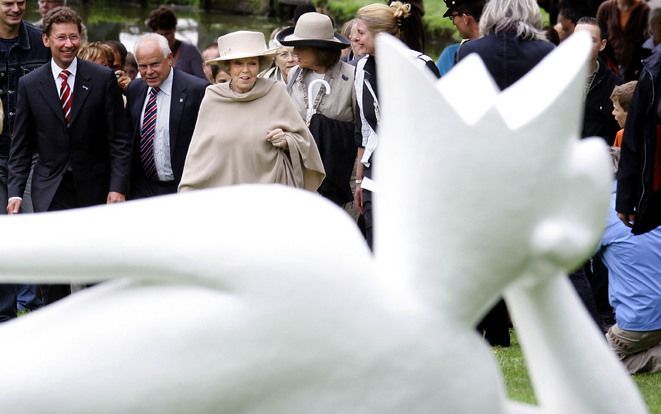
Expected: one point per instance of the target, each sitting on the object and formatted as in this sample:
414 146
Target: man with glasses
21 51
69 111
465 15
162 106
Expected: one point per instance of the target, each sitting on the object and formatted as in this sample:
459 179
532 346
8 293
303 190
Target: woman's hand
123 79
277 138
358 199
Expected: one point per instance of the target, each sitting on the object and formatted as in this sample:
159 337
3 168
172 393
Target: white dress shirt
162 132
72 74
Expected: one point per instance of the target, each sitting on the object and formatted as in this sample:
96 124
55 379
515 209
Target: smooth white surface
265 299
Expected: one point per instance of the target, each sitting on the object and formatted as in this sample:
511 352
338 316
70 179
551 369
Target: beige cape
229 142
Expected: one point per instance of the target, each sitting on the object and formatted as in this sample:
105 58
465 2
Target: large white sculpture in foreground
263 299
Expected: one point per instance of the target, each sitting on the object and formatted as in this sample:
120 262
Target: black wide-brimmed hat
472 6
313 30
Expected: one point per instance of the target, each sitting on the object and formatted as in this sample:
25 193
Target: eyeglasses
453 15
63 38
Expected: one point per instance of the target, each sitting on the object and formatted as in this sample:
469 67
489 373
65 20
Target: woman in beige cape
248 130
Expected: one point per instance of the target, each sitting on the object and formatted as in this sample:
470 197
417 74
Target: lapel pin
181 99
85 87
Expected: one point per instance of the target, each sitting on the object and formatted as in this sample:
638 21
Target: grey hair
154 37
520 15
655 11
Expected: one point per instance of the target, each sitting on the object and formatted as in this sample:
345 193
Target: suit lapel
82 87
136 108
176 109
49 92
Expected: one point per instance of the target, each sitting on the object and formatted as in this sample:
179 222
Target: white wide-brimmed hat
315 30
240 45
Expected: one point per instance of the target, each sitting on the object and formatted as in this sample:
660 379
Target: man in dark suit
70 113
162 107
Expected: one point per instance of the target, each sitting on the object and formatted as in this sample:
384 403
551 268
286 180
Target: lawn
518 385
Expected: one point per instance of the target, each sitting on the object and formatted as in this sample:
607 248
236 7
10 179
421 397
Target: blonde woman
97 52
102 54
371 20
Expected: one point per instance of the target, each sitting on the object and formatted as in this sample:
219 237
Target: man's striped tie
66 97
147 134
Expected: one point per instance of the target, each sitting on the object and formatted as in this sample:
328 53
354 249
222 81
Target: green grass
513 365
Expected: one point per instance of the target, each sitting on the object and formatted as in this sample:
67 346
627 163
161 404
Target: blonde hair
380 18
96 50
346 28
265 62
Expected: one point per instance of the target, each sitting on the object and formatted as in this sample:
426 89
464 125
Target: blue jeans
22 296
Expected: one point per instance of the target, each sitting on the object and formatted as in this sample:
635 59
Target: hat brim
232 56
448 12
286 37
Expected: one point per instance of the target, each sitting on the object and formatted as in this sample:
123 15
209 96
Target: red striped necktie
66 97
147 133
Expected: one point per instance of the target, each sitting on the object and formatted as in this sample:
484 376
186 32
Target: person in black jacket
21 51
512 43
639 174
598 120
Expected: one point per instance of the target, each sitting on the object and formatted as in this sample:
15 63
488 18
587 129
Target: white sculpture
264 299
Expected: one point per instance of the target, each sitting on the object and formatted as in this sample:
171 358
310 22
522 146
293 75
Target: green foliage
192 3
341 10
435 24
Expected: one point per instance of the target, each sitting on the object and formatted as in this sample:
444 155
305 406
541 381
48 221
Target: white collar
73 67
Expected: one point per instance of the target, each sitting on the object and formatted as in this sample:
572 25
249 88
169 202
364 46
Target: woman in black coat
512 43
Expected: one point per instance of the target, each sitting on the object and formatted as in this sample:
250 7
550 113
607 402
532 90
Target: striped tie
147 134
66 97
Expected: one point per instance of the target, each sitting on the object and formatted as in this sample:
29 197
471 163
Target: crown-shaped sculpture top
446 150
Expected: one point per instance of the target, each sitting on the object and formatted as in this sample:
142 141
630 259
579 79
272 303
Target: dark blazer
598 118
187 94
506 56
95 147
639 172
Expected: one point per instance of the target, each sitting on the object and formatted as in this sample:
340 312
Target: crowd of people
89 123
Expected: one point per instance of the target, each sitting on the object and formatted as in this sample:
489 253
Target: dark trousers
579 280
143 187
368 219
7 291
597 274
495 326
7 302
64 199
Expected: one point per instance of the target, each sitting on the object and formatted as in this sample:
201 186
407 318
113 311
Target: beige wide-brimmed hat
240 45
315 30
